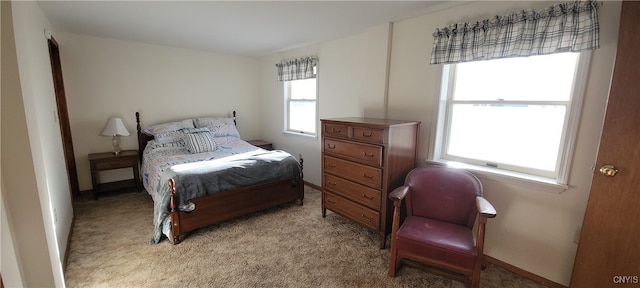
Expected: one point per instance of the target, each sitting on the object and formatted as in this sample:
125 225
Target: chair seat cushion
422 238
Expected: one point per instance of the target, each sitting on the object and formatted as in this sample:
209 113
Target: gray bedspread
209 177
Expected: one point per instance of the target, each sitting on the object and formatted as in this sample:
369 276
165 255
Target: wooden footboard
227 205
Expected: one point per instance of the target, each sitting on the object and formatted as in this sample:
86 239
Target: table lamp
115 128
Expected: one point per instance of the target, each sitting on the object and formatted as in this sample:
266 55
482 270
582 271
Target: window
301 99
514 116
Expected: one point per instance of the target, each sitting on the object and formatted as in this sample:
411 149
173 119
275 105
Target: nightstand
108 161
262 144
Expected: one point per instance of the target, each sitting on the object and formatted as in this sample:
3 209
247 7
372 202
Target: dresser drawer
366 175
363 153
371 135
335 130
358 213
352 191
113 164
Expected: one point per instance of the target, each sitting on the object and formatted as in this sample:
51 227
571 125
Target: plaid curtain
297 69
560 28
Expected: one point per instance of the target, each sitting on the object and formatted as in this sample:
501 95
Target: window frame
556 184
287 103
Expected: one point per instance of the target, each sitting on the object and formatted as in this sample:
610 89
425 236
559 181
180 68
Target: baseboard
84 192
314 186
526 274
66 253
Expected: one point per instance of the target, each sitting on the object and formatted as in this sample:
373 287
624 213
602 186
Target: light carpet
286 246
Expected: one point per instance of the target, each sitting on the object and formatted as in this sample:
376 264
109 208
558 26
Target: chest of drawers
364 159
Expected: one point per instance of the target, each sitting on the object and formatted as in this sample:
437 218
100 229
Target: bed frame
227 205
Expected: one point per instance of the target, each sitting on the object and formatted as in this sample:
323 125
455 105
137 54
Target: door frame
63 116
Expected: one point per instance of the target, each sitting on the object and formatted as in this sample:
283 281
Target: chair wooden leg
393 258
393 262
475 279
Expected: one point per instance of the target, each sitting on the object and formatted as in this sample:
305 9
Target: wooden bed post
175 216
139 128
143 137
301 166
301 189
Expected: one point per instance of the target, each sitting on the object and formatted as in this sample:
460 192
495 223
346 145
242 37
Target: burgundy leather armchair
442 205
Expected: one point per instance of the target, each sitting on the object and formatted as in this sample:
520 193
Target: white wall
535 228
34 177
13 276
105 77
9 263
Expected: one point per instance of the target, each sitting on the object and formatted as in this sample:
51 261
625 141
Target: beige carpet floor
287 246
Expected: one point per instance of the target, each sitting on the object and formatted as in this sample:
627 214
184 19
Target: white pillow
218 126
176 136
169 127
168 137
209 121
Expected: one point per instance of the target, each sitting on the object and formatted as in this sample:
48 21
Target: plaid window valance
297 69
560 28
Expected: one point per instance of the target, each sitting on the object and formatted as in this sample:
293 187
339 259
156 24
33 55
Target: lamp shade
114 127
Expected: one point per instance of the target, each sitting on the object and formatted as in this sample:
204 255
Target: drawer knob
367 218
331 147
368 155
331 165
367 135
367 176
331 183
331 201
334 130
367 196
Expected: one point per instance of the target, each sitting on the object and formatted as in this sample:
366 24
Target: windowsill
300 134
508 177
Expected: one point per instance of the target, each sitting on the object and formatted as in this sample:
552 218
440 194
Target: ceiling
249 28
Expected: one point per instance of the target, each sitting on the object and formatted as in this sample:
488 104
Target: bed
199 172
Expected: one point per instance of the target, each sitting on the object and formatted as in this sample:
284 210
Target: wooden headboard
143 137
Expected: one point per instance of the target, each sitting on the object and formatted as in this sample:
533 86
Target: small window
515 114
301 98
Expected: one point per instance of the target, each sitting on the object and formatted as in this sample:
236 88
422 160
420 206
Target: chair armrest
485 208
399 193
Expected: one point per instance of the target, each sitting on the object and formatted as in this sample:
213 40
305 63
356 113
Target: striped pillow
199 142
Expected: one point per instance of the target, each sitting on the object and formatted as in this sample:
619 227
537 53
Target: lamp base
115 141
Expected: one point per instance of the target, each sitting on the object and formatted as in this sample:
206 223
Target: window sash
491 150
301 85
295 126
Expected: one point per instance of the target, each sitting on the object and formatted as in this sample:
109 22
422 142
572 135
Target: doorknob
608 170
